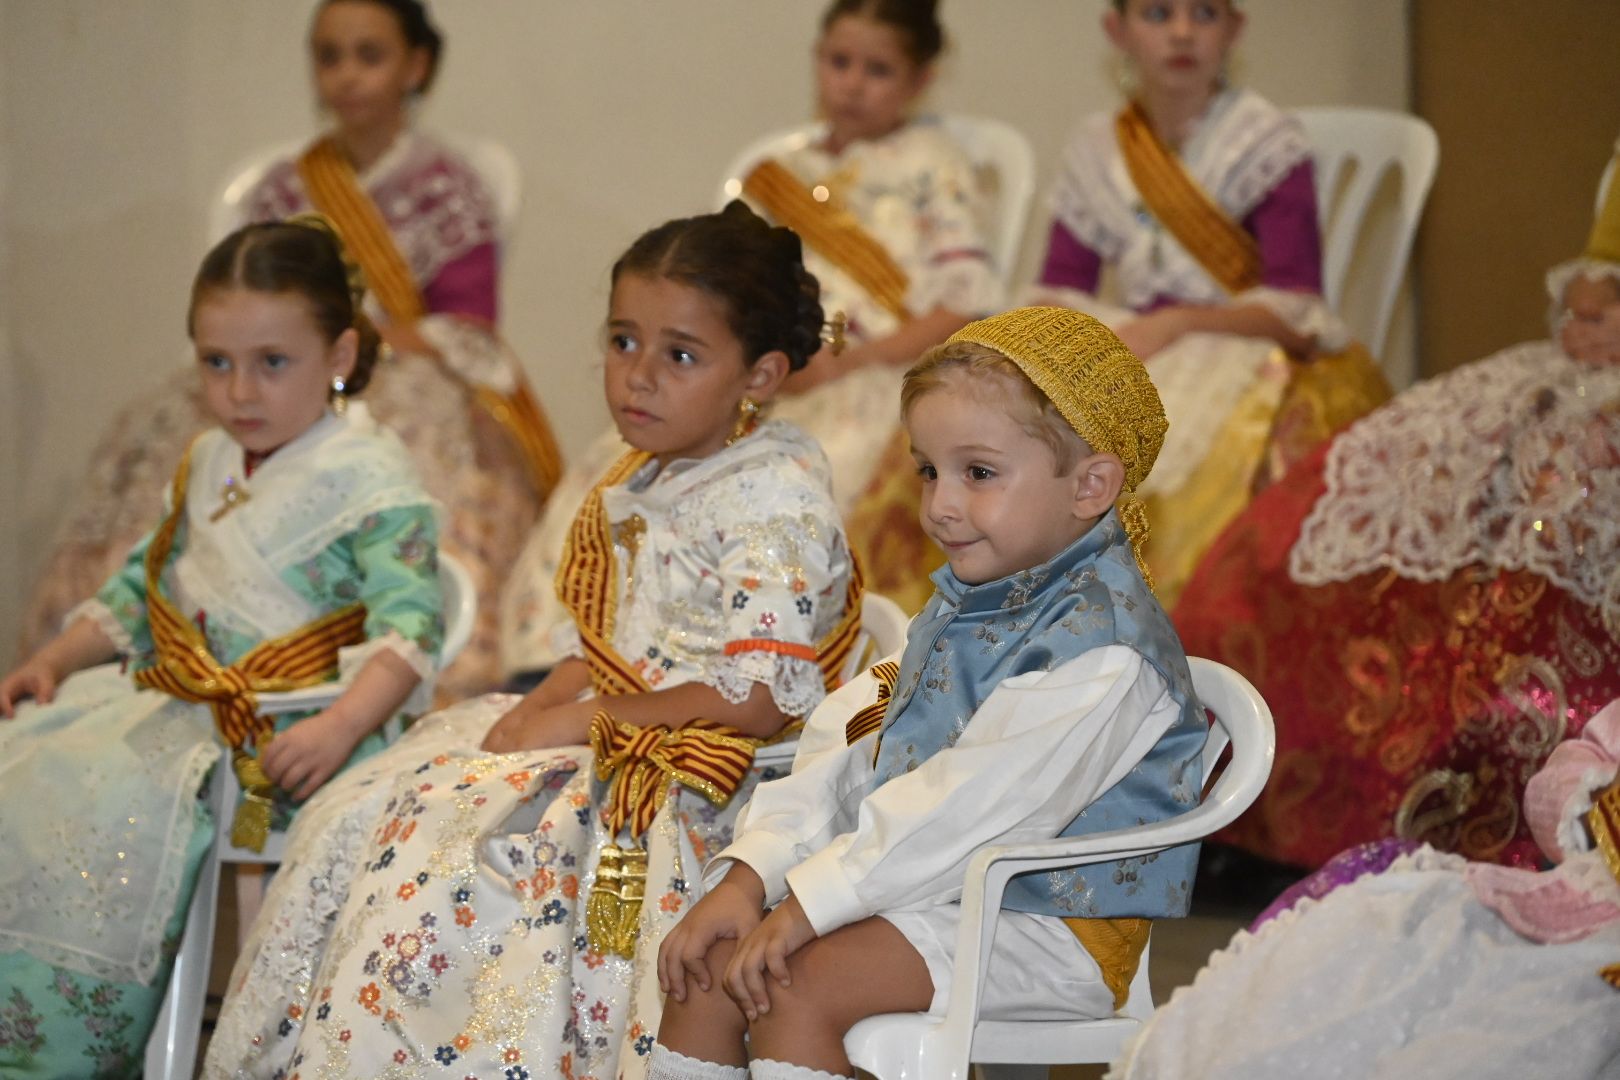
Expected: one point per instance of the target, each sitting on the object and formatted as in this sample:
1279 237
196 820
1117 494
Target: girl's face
674 372
865 81
266 366
364 68
1178 46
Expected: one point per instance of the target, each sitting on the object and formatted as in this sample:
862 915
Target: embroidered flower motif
444 1055
739 600
461 1042
344 1035
370 994
552 913
593 959
407 890
324 1011
512 1055
400 1057
518 780
439 963
465 916
517 1072
599 1011
804 604
570 886
670 902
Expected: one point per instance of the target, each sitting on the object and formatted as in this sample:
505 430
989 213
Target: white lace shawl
1243 147
1512 462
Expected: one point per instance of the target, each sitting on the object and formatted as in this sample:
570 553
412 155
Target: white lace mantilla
1512 462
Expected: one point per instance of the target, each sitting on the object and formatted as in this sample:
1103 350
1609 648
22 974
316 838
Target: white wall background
120 119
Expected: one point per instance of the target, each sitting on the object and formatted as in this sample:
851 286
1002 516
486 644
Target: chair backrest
1242 719
460 607
883 625
493 162
1354 148
1003 161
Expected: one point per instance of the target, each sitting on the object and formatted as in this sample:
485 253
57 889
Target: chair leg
171 1052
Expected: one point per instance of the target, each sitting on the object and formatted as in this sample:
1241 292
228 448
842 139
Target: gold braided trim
525 421
1116 945
335 191
1220 245
834 234
187 670
1604 821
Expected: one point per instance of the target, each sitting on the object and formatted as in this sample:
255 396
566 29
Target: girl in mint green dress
297 546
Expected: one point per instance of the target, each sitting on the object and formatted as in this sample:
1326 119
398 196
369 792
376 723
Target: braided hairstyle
302 255
417 28
755 269
917 21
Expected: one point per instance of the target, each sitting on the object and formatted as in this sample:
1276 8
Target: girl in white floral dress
486 897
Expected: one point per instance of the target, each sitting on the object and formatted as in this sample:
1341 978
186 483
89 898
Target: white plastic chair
171 1051
883 633
1354 148
492 161
916 1046
1002 158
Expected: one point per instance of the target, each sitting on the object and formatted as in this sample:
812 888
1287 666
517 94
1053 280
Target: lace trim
139 963
796 685
1512 462
102 616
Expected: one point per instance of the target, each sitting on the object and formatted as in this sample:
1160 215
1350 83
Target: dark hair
755 269
917 21
303 257
418 29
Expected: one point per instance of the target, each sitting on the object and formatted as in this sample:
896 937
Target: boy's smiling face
991 494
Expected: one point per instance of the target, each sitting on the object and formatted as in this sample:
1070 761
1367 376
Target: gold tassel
251 826
1611 975
613 910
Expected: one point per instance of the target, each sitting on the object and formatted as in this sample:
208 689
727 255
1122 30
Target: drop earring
747 413
340 400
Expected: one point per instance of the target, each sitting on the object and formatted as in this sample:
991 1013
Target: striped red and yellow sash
587 585
1604 821
870 719
334 189
1221 245
186 669
832 233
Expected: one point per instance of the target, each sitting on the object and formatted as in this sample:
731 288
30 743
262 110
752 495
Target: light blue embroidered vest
969 638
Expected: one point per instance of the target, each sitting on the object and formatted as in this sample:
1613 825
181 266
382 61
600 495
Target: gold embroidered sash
1604 821
187 670
834 234
334 189
1219 244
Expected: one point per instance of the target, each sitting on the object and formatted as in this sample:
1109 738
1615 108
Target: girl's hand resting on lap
36 679
530 725
782 933
308 754
733 909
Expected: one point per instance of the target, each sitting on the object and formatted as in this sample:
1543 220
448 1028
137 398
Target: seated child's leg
708 1025
857 971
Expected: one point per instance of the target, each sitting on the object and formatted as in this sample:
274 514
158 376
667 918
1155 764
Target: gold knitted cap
1097 384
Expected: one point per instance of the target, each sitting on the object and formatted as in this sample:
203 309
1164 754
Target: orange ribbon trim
187 670
1221 245
334 189
834 234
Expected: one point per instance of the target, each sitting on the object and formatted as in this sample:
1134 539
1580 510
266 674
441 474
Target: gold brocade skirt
1262 437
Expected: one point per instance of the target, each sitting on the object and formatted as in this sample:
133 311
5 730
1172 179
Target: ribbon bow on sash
187 670
640 764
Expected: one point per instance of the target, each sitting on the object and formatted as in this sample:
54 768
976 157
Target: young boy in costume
1042 692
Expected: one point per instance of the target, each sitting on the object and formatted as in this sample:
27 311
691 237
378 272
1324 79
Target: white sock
766 1069
666 1064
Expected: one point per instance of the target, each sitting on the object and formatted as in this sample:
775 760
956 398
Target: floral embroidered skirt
430 920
